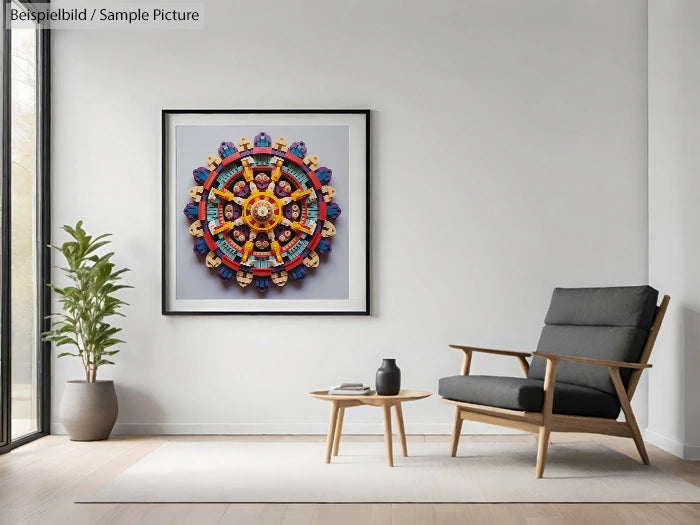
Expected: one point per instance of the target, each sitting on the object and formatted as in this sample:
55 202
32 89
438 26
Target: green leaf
63 354
94 246
65 341
119 272
70 230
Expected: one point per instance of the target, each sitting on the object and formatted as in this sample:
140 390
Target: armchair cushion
616 343
528 394
600 323
612 306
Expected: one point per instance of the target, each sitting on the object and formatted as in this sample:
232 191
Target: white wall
674 221
531 116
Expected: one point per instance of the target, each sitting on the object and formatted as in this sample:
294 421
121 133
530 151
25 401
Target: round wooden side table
339 403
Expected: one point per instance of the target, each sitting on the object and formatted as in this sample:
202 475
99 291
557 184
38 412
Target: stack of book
351 389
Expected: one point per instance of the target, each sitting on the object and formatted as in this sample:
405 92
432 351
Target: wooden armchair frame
544 422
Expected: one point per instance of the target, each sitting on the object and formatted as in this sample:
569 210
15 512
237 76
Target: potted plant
88 407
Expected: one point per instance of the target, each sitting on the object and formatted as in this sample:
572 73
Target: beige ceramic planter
89 410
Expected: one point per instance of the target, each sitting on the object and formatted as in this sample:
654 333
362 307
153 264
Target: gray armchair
594 346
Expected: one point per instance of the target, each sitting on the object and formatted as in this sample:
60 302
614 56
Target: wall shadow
142 408
691 358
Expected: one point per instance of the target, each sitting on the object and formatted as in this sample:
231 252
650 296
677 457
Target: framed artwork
265 211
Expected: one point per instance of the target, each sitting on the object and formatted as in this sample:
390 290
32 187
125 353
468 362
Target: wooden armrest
604 362
468 356
491 351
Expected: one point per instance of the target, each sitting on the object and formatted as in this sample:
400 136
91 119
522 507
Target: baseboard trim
288 428
686 451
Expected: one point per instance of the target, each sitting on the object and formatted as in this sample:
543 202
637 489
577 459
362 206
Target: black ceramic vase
388 380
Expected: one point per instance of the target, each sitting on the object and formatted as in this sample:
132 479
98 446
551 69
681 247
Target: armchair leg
629 414
639 442
547 404
456 431
542 444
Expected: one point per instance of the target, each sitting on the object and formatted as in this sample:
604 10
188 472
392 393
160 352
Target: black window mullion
5 416
44 228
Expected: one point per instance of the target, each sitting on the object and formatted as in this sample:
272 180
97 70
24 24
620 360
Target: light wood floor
40 481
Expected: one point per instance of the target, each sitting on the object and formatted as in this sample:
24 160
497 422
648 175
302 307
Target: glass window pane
23 284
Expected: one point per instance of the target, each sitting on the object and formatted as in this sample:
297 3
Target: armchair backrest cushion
601 323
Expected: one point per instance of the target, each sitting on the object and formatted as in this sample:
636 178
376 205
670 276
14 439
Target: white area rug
296 473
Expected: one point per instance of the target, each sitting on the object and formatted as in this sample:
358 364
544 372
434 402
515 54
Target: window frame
43 217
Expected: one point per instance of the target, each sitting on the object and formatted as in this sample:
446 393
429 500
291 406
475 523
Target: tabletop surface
403 395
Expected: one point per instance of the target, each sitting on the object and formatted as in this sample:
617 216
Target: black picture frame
359 118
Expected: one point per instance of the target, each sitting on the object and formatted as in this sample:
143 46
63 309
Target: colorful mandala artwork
262 211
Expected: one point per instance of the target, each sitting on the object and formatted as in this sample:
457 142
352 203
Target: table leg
400 428
338 430
387 434
331 429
